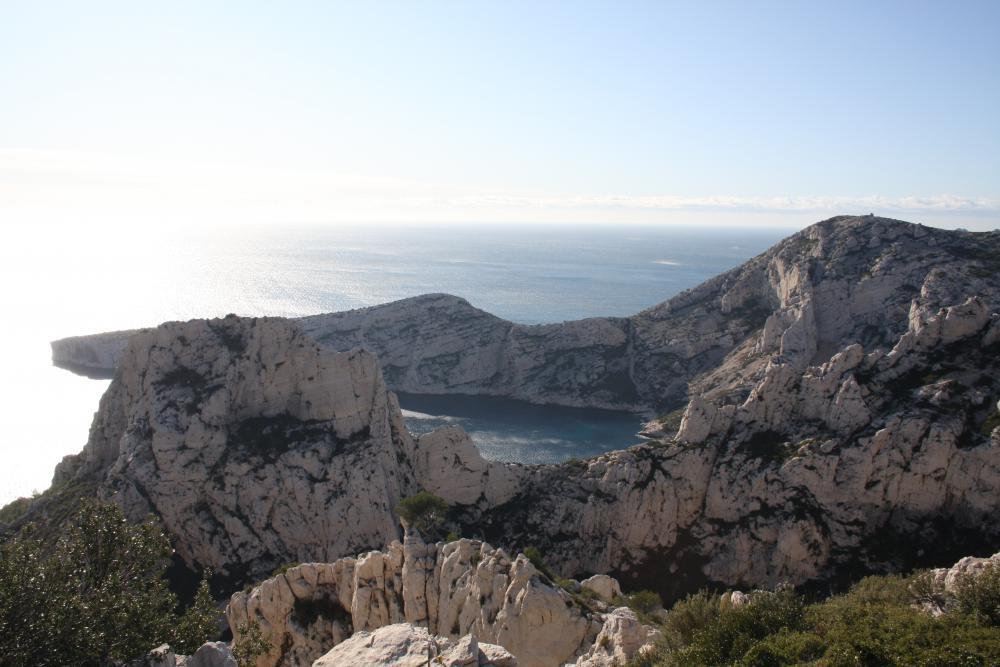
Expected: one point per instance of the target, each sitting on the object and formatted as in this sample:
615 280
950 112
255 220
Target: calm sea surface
74 281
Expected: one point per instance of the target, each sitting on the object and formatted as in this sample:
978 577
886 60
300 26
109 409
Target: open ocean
69 281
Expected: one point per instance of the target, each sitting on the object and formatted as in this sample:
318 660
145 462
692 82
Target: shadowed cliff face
851 423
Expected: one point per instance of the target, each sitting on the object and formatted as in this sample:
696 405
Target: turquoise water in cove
77 281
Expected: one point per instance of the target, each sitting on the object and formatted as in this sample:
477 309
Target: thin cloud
936 203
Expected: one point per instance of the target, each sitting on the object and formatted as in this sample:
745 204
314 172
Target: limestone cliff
254 445
841 281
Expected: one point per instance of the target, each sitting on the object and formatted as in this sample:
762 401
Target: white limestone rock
405 645
458 590
621 638
606 587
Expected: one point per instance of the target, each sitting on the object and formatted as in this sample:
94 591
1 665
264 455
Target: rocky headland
841 281
828 408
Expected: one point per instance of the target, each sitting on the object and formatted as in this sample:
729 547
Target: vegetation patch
424 511
671 421
876 622
98 596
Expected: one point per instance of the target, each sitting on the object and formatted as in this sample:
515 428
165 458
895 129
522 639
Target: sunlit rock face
455 590
871 459
254 445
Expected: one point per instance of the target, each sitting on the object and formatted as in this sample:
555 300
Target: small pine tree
249 644
424 511
198 622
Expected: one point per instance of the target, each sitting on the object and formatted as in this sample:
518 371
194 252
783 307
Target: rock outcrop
455 590
252 444
404 645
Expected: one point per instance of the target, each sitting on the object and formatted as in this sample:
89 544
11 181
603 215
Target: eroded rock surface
455 590
405 645
253 445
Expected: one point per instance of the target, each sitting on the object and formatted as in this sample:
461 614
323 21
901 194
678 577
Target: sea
69 280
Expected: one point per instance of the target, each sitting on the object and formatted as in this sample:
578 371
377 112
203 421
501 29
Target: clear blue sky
467 111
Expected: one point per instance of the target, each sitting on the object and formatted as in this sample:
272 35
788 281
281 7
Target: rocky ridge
841 281
838 433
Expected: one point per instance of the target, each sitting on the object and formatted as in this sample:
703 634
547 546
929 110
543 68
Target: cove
514 431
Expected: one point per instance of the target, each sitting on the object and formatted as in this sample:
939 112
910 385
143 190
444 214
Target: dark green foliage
14 510
671 421
769 447
643 603
736 631
424 511
978 595
249 644
198 623
97 596
991 422
535 556
689 616
281 569
874 624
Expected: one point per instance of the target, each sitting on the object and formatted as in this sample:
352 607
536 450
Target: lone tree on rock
424 511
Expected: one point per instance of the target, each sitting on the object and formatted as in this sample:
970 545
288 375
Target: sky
144 114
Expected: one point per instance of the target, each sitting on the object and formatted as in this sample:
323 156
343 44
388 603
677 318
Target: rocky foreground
396 608
843 418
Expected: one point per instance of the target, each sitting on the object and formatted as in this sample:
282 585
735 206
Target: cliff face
848 423
870 460
841 281
254 445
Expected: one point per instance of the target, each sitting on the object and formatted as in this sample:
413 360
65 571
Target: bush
735 631
97 596
424 511
873 624
978 595
249 644
643 603
535 556
690 615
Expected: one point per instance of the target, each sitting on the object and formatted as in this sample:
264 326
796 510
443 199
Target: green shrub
281 569
871 625
991 422
249 644
978 595
671 421
424 511
96 596
894 634
690 615
535 556
784 648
